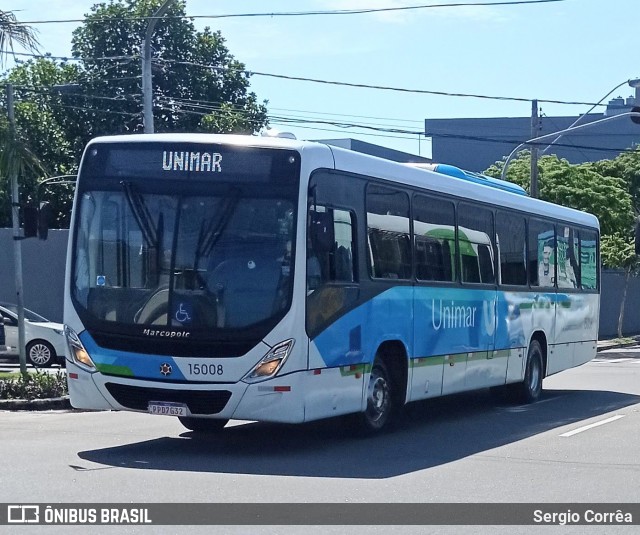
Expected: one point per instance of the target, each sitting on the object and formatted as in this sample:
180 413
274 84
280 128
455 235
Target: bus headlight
78 352
270 363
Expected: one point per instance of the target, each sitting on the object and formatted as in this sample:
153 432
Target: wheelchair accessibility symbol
184 313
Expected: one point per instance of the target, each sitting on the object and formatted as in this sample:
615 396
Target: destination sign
190 161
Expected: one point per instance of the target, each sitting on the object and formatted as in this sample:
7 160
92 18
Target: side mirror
30 221
45 214
36 221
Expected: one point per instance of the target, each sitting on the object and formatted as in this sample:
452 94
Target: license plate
167 408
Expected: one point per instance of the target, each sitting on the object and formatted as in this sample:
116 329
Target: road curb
61 403
614 345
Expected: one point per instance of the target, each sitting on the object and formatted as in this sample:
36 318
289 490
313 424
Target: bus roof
478 178
363 164
462 188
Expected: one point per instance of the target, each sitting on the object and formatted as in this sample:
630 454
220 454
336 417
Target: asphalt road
579 444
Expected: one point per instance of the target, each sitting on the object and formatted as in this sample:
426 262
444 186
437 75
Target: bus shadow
433 433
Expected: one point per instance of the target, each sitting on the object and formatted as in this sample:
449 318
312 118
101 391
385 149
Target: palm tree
13 32
15 156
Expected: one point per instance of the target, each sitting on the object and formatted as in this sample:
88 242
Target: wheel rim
40 354
378 398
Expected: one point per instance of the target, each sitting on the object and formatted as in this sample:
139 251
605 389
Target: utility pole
15 217
147 79
534 150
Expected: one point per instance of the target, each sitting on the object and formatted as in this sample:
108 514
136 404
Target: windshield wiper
140 213
208 237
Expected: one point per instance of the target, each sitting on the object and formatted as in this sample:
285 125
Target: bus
217 277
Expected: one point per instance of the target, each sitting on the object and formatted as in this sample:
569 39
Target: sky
569 50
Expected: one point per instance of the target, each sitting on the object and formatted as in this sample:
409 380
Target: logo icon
184 313
489 315
23 514
165 369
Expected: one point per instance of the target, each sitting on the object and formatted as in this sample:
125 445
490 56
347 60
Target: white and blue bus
235 277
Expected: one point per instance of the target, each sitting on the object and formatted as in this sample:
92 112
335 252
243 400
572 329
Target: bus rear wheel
530 389
202 425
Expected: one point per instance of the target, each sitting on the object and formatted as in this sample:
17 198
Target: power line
382 135
328 114
34 89
250 73
202 108
534 144
301 13
380 87
390 133
216 106
415 91
66 58
403 132
129 97
98 110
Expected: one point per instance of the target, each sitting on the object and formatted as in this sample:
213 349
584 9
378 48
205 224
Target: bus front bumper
275 400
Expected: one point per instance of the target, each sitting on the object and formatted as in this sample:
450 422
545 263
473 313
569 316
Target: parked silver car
44 339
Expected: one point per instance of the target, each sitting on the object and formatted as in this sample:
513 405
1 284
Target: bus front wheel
381 399
202 425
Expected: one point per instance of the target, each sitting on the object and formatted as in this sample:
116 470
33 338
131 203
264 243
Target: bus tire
381 400
202 425
529 390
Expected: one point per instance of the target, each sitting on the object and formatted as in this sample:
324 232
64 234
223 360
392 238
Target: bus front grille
198 401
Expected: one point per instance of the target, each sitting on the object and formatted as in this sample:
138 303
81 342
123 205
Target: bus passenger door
478 275
485 366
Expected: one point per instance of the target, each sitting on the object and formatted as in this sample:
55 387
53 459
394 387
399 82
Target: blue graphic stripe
434 321
141 366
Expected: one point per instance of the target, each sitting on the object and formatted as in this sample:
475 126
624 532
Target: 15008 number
206 369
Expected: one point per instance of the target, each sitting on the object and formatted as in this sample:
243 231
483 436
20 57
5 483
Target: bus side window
588 260
568 267
434 238
330 246
388 230
512 239
542 255
475 235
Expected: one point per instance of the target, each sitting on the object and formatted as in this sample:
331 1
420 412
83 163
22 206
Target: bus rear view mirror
30 221
637 237
321 231
36 221
44 219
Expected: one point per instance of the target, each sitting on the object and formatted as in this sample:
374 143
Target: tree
600 188
102 92
43 119
619 252
627 167
194 74
576 186
11 31
16 159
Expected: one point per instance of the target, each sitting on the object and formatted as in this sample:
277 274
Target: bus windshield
210 259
